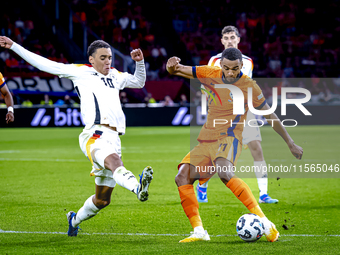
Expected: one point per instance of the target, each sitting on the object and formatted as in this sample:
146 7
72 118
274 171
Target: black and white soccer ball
249 227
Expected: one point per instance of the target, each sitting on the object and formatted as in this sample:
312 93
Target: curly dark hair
232 54
97 45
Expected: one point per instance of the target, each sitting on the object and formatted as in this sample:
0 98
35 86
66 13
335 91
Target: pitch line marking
142 234
81 160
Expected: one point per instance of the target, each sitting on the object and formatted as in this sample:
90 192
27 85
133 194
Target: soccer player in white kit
251 133
98 86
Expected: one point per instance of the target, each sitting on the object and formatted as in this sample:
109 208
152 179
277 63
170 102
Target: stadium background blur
285 40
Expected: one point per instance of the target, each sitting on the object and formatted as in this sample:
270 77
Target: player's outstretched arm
296 150
35 60
9 103
175 68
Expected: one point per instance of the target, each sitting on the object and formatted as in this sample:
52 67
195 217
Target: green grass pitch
44 175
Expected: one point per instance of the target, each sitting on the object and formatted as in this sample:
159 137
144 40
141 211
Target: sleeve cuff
261 105
194 72
140 62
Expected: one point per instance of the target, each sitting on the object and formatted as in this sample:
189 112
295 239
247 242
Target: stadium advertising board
39 84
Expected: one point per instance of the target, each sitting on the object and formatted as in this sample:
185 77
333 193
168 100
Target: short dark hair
232 54
96 45
229 29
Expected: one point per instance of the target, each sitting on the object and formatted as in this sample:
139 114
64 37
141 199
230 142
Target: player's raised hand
137 55
296 150
5 42
172 63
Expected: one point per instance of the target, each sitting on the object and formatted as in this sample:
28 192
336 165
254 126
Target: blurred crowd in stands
285 39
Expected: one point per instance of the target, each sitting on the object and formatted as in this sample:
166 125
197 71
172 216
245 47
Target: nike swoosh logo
240 193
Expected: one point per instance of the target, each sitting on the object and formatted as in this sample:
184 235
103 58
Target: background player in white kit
98 87
251 135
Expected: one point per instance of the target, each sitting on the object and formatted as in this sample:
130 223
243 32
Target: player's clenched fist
137 55
5 42
172 63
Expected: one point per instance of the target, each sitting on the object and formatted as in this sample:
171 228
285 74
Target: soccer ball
249 227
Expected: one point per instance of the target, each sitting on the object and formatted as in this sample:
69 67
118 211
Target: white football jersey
98 93
247 68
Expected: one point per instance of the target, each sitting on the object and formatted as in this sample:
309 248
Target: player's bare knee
224 169
183 175
181 179
225 176
256 150
112 162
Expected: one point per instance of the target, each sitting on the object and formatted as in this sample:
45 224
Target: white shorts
251 133
97 143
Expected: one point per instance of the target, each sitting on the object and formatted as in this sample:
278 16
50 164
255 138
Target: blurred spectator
123 97
275 65
12 64
29 26
6 28
198 98
124 22
27 103
68 101
19 23
49 49
62 59
4 55
59 102
277 39
149 99
184 100
46 101
157 61
168 101
288 71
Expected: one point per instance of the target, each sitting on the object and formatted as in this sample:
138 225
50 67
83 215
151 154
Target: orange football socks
190 204
242 191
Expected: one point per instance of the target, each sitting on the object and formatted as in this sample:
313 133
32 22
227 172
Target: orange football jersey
2 80
221 121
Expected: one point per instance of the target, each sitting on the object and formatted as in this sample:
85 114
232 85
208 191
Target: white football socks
262 176
126 179
87 211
